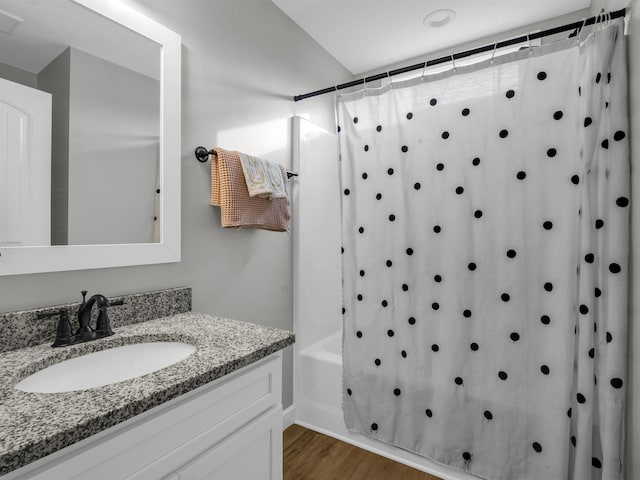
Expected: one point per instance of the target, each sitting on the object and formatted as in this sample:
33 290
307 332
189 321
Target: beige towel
238 209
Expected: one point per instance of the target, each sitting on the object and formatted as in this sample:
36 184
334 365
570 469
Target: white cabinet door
252 453
25 165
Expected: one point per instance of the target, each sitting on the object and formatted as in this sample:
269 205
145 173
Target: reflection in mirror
79 128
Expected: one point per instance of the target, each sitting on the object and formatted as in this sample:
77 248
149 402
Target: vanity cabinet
230 428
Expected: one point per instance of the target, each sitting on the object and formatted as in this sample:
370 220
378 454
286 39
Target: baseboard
288 417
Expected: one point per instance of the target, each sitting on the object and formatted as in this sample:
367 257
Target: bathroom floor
309 455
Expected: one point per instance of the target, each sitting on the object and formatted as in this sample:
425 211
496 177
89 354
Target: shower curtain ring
424 69
364 83
389 78
495 45
453 62
529 42
580 30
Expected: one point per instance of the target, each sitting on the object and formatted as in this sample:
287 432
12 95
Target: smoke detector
439 18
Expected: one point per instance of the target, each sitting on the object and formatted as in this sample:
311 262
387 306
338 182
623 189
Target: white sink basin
106 367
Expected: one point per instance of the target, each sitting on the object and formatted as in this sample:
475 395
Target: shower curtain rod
456 56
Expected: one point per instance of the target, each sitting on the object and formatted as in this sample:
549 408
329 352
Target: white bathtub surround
470 200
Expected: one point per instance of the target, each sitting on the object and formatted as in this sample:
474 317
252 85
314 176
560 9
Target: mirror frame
37 259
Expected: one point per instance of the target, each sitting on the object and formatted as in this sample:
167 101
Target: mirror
89 137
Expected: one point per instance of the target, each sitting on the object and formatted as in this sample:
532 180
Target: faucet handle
63 332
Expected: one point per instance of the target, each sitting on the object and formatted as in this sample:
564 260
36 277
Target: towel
238 209
263 178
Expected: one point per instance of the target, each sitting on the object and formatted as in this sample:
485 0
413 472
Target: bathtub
319 406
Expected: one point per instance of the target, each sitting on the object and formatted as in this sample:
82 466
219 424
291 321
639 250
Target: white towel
264 178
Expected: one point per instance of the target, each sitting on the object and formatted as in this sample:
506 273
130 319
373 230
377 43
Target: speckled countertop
33 425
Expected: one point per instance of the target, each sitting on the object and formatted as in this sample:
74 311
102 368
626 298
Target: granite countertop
33 425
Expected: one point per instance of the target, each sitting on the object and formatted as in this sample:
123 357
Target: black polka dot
599 223
502 375
445 135
596 463
390 333
537 447
344 310
361 230
416 186
339 129
365 176
581 398
409 251
459 190
544 369
569 413
616 382
411 320
396 392
589 258
521 175
545 319
503 133
405 149
459 381
598 77
435 305
474 347
409 116
477 213
355 119
437 229
360 297
379 128
510 94
428 413
592 352
622 201
466 456
466 313
440 167
575 179
584 309
619 135
347 191
366 148
472 266
435 347
573 440
505 297
378 196
465 112
433 102
514 336
389 263
362 273
488 415
384 303
605 143
552 152
359 334
558 115
390 171
547 225
374 426
392 218
403 353
511 253
405 287
609 77
548 286
437 278
475 162
542 75
588 121
614 268
349 391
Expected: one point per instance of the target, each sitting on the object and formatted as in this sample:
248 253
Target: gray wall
114 130
55 78
242 60
18 75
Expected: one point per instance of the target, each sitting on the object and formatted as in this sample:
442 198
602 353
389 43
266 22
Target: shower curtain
485 218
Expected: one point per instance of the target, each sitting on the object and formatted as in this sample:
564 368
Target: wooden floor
309 455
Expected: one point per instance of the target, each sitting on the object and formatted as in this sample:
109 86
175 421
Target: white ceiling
365 35
50 26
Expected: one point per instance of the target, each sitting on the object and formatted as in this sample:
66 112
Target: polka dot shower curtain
485 216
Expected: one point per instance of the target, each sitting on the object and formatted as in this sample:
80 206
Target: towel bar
202 154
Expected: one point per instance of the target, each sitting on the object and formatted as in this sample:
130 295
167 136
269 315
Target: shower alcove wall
318 298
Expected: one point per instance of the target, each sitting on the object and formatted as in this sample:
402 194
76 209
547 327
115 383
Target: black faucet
103 325
84 333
